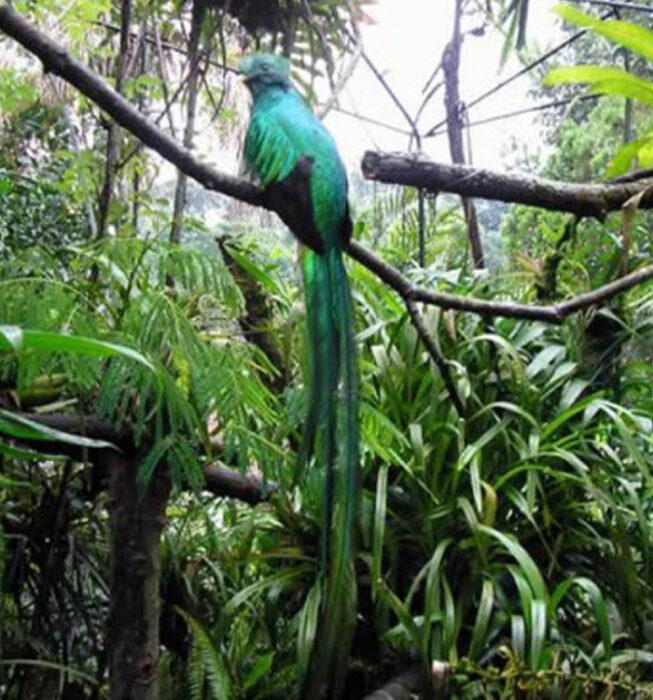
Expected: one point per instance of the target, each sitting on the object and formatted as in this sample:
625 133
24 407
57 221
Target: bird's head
262 70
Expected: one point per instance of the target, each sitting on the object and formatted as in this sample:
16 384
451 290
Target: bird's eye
265 67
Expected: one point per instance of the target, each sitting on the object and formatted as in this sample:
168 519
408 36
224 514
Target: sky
406 43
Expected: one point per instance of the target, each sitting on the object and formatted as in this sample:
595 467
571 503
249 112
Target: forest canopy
169 524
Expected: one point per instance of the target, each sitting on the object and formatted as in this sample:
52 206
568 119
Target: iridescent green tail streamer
332 415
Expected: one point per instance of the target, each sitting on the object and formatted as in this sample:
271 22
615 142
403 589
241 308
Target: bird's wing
269 151
278 153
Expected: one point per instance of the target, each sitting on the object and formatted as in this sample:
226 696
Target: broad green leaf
524 590
623 158
26 455
599 606
634 37
604 79
13 338
518 635
432 604
629 656
544 359
261 666
400 610
281 579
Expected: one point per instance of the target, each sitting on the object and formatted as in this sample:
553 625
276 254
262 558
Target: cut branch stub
416 170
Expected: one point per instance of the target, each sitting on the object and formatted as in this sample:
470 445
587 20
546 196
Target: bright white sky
406 43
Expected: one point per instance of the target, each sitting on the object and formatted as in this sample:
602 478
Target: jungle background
152 374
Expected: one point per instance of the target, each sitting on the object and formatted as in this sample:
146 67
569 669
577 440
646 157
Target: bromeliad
287 146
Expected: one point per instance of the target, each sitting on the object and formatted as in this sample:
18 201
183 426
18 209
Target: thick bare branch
416 170
218 480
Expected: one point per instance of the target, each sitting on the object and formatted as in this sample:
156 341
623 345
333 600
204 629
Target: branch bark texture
416 170
136 518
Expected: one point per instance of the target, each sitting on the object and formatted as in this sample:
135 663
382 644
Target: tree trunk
113 130
136 520
199 8
450 66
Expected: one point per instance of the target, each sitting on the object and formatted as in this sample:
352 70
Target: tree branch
194 71
554 313
455 108
56 60
218 480
586 200
416 170
113 134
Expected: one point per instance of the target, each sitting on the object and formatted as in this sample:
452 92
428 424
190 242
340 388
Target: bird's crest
266 68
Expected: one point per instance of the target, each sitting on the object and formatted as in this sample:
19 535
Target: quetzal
288 147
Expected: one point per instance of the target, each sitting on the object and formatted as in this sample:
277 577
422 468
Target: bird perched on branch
288 149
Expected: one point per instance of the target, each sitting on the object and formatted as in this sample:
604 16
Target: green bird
288 148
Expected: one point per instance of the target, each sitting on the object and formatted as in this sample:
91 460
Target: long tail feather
333 410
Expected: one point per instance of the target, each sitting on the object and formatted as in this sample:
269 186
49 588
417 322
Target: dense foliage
505 552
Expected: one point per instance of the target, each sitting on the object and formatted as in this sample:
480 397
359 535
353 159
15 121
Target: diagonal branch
586 200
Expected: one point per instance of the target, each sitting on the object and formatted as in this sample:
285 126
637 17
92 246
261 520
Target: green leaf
482 622
604 80
26 455
599 606
518 635
524 559
216 672
401 611
16 339
634 37
432 604
379 524
11 338
262 665
308 619
639 148
23 428
281 579
538 633
629 656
